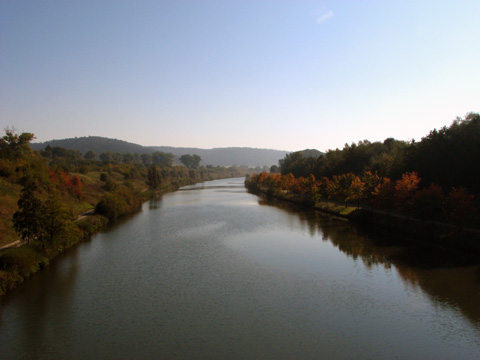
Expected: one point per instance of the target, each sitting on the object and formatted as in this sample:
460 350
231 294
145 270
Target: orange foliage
64 180
404 193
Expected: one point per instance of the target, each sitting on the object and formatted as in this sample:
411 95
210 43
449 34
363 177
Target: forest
53 198
435 179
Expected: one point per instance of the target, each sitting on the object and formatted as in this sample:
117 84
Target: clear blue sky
276 74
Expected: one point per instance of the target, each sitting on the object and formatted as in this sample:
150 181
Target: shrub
24 260
110 206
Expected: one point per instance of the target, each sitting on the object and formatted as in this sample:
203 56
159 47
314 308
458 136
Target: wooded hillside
240 156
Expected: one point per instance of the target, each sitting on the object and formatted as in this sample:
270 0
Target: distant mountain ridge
216 157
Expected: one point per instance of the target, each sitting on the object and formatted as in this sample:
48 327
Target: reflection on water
214 272
454 287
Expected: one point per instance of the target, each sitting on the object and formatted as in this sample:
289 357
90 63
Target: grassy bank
125 197
19 263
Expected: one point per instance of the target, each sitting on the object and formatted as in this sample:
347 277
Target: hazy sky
276 74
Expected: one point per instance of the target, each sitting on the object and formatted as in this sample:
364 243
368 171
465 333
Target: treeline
244 157
449 157
74 160
437 178
44 193
372 191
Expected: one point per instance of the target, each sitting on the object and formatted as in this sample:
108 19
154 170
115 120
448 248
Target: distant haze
216 157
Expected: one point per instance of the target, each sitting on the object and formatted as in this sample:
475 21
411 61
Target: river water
212 272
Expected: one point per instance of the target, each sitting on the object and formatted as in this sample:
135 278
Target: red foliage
459 206
63 179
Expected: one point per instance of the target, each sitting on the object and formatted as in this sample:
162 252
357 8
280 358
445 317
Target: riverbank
191 265
427 243
21 261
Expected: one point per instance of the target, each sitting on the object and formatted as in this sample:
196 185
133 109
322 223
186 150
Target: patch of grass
335 208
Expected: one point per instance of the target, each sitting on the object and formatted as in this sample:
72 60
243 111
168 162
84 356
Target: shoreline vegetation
425 195
426 243
53 199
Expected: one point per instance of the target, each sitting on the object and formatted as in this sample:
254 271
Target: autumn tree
322 186
384 194
356 191
405 189
427 203
340 187
371 181
459 206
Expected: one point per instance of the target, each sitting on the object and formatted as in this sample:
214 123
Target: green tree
27 219
146 159
154 179
186 160
110 206
191 161
274 169
106 156
298 163
90 155
13 145
55 218
196 161
109 185
128 158
162 159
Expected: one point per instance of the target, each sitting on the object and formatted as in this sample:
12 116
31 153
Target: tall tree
55 218
154 179
191 161
196 161
405 189
27 219
187 160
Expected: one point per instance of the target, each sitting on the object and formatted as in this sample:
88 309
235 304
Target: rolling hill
241 156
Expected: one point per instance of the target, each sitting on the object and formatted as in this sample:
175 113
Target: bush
110 206
24 260
8 280
109 185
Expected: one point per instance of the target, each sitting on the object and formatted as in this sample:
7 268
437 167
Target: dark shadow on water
434 270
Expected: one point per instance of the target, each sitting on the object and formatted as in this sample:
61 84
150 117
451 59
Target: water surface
212 272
